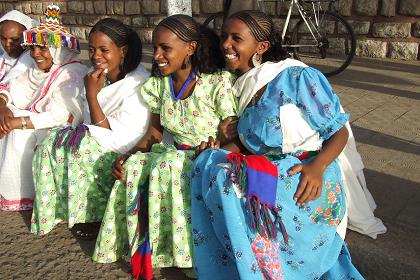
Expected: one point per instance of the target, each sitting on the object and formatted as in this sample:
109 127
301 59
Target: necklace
183 88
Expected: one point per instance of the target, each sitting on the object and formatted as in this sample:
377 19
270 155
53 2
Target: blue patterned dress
225 245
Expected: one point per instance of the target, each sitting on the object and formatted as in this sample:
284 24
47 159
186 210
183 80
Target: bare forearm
153 135
332 148
97 116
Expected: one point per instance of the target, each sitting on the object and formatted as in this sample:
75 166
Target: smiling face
42 57
11 37
239 45
170 52
105 54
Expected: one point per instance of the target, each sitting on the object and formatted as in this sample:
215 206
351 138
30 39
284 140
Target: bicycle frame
312 27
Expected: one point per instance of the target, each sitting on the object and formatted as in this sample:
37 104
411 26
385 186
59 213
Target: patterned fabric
158 183
72 187
195 118
224 241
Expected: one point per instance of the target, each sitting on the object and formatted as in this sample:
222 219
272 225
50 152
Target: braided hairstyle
122 35
262 28
208 57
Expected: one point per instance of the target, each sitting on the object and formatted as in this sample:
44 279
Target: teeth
162 64
230 56
39 61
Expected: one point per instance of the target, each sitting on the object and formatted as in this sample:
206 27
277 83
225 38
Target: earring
256 61
187 62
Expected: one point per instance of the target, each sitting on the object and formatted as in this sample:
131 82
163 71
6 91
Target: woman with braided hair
189 96
72 167
268 206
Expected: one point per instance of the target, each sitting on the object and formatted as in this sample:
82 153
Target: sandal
86 231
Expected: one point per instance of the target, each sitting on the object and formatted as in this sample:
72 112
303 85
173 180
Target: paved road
383 98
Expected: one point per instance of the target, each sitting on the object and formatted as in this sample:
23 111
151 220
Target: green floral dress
158 182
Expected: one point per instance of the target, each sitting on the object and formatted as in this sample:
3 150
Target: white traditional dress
48 99
74 185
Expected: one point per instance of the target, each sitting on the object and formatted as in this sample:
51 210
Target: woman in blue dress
268 205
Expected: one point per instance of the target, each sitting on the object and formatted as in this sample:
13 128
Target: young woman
43 97
272 212
14 59
72 167
188 97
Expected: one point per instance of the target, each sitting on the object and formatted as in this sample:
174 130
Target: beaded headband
51 33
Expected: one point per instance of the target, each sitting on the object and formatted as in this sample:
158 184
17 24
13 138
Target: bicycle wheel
215 22
332 47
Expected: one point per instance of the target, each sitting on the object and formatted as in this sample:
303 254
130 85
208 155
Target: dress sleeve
226 103
311 92
151 93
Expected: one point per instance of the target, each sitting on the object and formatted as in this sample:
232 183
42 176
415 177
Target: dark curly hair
262 28
122 35
208 57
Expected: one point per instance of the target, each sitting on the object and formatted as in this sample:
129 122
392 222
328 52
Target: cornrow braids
262 28
122 35
208 57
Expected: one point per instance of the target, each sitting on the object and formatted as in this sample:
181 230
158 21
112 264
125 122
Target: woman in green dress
188 96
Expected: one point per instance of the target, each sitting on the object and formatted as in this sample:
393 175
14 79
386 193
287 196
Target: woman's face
105 54
238 45
11 37
42 57
170 52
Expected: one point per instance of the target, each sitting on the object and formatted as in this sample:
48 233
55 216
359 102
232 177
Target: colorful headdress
51 33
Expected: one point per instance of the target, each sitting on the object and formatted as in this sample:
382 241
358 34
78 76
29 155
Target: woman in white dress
45 96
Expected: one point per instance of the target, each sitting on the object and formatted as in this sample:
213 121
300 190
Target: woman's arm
153 135
94 82
310 185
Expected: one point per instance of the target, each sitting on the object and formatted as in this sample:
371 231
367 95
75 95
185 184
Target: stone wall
384 28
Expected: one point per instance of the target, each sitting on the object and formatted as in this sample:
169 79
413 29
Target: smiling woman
45 96
114 118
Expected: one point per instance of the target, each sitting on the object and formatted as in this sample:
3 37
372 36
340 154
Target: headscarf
11 67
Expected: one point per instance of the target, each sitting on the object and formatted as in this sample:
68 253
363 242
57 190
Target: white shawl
126 111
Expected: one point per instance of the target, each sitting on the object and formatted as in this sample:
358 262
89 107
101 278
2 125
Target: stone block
37 8
345 7
69 20
388 8
99 7
79 32
132 7
90 20
140 21
359 27
403 50
410 7
366 8
119 7
195 7
391 29
150 7
153 21
371 48
8 7
61 4
145 35
109 7
76 6
18 7
208 7
89 7
125 20
416 29
26 8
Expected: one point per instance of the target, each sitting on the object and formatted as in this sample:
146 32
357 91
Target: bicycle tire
329 58
215 22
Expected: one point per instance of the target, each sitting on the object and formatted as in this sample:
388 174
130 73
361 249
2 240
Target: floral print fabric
156 197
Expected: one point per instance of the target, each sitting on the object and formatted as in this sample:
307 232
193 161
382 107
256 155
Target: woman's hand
94 81
310 185
211 143
6 117
227 129
119 171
